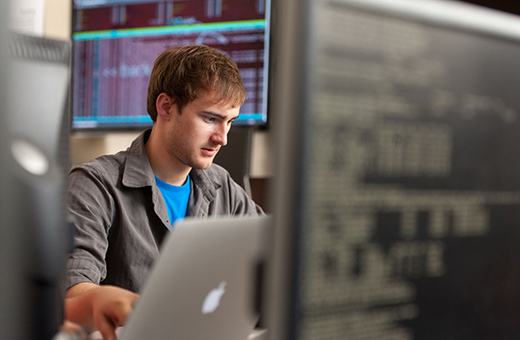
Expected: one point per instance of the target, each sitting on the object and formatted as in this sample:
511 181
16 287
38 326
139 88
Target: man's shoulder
217 170
216 173
213 178
229 197
107 165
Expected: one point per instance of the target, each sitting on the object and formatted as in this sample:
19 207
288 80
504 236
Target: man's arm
87 303
90 206
79 289
99 307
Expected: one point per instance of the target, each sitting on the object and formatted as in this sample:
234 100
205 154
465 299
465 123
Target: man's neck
165 166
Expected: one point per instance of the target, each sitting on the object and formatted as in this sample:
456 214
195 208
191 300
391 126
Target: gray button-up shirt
121 219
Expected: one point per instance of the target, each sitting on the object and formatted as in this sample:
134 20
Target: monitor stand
235 157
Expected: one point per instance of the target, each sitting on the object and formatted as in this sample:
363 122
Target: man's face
196 135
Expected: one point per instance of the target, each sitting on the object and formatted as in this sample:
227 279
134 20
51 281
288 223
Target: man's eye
231 122
210 119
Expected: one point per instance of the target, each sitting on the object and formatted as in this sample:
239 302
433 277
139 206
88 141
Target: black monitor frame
294 133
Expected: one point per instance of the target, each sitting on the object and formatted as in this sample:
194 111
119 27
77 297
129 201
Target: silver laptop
204 284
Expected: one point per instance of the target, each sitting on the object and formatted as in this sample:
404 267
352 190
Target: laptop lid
204 284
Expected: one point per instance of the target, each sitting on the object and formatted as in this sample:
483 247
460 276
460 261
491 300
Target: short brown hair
184 72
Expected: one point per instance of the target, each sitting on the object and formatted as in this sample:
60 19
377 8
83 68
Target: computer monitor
397 190
117 41
34 136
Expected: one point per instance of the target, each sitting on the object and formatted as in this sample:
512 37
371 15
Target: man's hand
100 307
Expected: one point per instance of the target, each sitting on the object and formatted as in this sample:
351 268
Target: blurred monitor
397 194
34 80
117 41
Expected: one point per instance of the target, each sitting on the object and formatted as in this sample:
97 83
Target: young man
123 205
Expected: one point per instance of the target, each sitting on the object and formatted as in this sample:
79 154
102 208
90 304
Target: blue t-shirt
176 198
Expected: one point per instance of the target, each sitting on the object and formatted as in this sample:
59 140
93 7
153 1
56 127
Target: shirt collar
206 185
138 171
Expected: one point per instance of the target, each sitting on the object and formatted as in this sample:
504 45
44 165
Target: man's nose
220 136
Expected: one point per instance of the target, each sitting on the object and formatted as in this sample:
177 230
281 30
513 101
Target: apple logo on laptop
212 300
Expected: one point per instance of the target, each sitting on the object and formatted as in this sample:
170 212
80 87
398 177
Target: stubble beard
186 154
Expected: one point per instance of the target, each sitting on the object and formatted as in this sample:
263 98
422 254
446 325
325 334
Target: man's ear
164 105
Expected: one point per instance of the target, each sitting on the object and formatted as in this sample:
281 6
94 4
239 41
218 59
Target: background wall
85 146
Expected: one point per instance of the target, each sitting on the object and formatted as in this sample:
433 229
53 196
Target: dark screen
407 183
